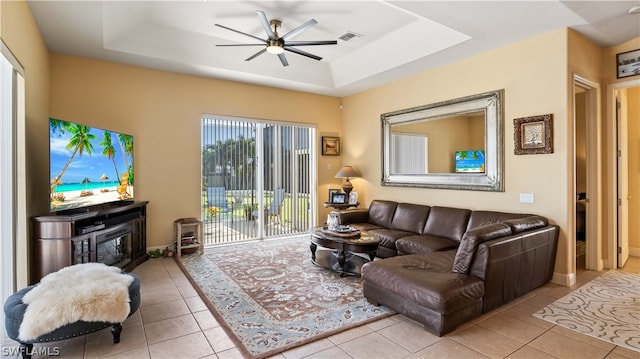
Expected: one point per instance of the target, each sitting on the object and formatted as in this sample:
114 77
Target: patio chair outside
274 206
217 197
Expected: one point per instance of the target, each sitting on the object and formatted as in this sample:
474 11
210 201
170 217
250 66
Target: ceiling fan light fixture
275 49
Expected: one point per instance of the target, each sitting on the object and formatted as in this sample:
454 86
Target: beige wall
21 35
533 74
163 111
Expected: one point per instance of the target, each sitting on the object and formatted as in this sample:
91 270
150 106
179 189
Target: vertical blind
256 179
410 154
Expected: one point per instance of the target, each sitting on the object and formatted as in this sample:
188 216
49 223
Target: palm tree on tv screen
80 142
126 145
108 150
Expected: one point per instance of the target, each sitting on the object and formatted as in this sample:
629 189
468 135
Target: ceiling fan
276 44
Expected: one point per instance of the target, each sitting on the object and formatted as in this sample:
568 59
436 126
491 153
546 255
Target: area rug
270 297
607 308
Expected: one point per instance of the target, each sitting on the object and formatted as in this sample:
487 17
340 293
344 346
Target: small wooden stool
183 227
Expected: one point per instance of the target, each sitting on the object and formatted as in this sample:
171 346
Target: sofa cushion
481 218
447 222
355 215
381 212
425 279
410 217
425 243
471 240
526 223
388 237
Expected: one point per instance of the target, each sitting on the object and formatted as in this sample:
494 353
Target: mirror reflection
441 145
454 144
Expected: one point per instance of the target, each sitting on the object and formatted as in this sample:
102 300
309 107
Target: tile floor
173 322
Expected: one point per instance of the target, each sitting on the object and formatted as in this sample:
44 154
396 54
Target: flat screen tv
471 161
88 166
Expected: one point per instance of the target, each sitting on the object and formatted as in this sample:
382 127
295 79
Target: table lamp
347 172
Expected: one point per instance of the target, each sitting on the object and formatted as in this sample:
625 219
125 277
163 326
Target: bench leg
116 329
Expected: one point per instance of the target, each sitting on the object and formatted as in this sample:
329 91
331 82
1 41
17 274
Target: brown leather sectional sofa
444 266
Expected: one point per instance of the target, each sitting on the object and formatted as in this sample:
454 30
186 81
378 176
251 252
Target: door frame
13 216
612 172
594 174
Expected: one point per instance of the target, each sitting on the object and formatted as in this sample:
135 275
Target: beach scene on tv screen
88 165
470 161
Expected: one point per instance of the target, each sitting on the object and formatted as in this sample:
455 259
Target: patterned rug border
227 328
560 312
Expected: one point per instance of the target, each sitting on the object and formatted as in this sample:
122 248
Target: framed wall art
330 146
628 63
533 135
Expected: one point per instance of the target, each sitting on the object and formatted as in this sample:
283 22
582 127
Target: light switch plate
526 198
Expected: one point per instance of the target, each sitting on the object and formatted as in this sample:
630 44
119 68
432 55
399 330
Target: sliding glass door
12 193
256 179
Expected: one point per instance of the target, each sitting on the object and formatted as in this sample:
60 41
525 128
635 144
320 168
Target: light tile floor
173 322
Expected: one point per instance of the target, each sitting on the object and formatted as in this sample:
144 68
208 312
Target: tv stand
110 234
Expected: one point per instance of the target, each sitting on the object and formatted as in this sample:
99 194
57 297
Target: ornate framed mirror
454 144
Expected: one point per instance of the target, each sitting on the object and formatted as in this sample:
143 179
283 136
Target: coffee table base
343 263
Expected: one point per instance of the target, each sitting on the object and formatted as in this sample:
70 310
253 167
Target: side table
340 205
188 228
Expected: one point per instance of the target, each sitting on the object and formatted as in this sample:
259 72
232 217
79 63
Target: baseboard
566 280
634 251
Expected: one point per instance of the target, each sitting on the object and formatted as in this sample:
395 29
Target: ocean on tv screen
88 165
470 161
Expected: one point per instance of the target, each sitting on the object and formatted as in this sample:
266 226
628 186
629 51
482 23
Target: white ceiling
398 38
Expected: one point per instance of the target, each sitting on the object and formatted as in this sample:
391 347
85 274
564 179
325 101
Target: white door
623 178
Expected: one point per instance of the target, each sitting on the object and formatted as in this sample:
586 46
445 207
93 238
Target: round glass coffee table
344 251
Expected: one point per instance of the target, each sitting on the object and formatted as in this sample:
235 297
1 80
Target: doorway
624 100
12 190
587 211
256 179
580 165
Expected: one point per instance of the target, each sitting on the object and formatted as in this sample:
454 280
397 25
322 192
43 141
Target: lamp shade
347 172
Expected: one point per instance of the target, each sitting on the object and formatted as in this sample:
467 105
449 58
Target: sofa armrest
515 265
470 241
358 215
526 223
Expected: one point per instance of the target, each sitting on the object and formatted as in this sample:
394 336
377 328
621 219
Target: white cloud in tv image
88 166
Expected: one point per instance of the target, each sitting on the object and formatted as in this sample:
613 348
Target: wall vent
349 35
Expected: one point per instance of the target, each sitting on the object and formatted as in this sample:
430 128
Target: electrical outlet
526 198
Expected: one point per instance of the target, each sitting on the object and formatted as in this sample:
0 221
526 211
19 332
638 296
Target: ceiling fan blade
311 43
298 30
303 53
266 25
242 33
233 45
283 59
256 54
